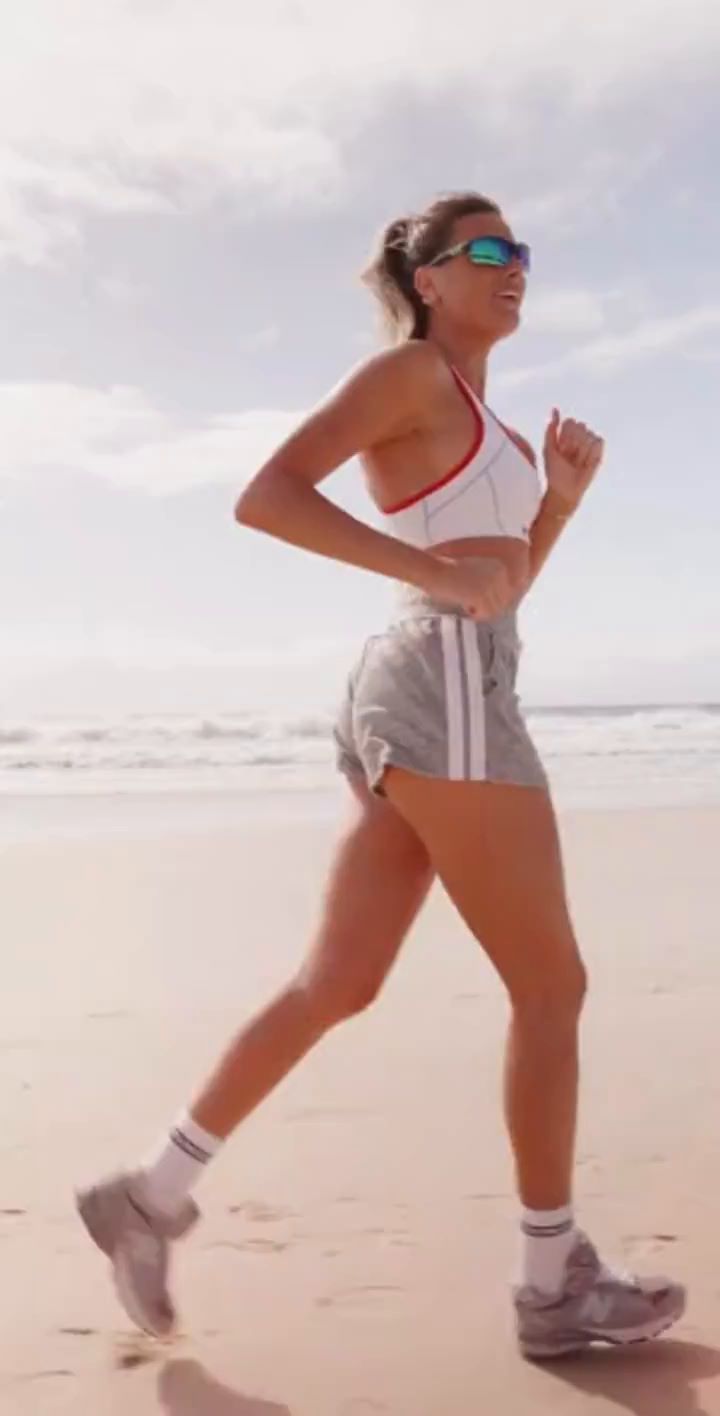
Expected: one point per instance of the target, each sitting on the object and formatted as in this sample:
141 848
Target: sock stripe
547 1231
189 1147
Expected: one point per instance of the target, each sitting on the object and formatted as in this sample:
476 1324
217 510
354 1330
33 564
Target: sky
187 196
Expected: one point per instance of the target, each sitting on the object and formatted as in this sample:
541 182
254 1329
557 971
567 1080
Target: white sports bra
494 491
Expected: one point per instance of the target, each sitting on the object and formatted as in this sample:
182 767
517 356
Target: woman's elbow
242 510
269 501
253 504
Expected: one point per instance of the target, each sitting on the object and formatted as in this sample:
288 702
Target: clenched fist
572 454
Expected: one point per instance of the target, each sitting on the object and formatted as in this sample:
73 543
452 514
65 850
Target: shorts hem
374 779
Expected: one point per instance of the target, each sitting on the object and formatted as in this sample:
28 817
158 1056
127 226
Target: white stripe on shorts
453 697
476 702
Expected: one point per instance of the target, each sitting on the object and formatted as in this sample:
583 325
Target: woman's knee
554 999
333 997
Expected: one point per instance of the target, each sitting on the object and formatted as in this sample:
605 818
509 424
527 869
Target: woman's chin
508 324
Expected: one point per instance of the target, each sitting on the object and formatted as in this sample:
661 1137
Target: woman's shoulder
414 367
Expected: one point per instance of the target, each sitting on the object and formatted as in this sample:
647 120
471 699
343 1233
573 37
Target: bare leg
497 852
496 849
378 881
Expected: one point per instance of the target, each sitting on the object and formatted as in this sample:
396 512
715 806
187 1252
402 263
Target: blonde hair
409 242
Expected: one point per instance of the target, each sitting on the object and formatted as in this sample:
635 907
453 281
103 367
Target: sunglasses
487 251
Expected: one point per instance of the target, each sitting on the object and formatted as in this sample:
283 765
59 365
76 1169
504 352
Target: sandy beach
360 1229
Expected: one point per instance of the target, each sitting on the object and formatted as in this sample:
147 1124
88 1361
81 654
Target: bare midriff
513 553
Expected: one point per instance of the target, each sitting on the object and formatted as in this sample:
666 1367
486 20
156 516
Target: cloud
31 648
596 180
701 356
609 353
39 199
222 449
564 312
65 424
32 237
265 338
119 435
158 107
122 292
652 337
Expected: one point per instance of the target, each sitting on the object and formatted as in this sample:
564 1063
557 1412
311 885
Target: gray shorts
435 693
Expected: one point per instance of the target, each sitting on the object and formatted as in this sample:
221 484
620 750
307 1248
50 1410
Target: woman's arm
546 529
386 398
383 399
572 455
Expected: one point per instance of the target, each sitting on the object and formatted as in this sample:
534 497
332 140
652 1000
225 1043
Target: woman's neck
465 356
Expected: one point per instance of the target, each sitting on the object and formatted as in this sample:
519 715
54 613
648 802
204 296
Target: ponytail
404 245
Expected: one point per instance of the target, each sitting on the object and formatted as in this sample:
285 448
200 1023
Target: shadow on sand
185 1388
657 1380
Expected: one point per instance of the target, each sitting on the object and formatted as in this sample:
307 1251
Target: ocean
645 755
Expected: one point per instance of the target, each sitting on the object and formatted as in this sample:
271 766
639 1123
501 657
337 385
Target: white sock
170 1173
547 1239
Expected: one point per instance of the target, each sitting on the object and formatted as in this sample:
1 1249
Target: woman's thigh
379 877
496 849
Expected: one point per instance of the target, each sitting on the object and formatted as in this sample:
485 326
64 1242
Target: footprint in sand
135 1350
394 1238
382 1233
329 1113
379 1231
253 1246
656 1240
259 1213
367 1295
355 1405
51 1372
127 1361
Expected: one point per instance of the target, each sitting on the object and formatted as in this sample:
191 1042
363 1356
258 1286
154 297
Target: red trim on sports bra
522 446
459 466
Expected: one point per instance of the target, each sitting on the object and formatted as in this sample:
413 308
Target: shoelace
587 1261
616 1275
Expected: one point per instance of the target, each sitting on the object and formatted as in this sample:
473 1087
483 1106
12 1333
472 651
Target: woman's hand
482 588
572 455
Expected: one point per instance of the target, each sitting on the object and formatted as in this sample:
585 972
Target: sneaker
137 1242
595 1305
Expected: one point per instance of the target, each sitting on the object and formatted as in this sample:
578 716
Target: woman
444 778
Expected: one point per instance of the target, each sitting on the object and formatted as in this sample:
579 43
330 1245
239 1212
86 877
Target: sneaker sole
127 1297
573 1346
89 1209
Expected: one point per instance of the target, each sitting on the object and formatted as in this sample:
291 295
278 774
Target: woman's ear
425 285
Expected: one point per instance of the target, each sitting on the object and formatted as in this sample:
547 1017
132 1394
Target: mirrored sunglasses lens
496 251
489 250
